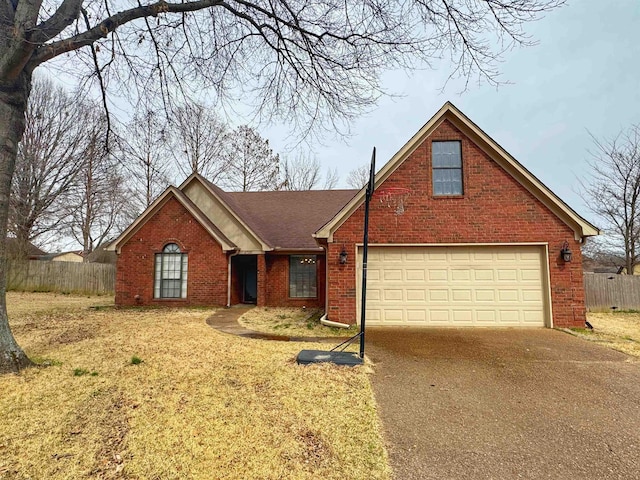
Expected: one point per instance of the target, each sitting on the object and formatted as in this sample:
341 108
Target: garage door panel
391 275
460 286
484 275
461 295
415 275
392 295
417 316
416 295
439 295
530 275
436 275
533 296
460 275
463 316
439 316
507 275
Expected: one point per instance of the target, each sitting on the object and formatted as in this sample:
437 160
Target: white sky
582 77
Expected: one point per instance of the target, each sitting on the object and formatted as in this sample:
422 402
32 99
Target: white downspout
229 278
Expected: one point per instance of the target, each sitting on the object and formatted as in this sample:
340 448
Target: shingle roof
12 248
287 220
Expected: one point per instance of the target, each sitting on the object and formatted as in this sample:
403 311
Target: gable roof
280 220
172 192
580 226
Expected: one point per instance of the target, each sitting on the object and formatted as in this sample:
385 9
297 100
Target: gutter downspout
229 278
324 320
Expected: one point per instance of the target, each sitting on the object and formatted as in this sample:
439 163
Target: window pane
156 280
447 182
302 276
185 263
446 155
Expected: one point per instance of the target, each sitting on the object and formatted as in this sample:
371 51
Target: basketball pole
365 247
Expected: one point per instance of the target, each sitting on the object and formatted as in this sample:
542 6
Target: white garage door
456 286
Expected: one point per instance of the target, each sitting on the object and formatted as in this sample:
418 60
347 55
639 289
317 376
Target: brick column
262 281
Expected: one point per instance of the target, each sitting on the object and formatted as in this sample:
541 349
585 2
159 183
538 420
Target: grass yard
620 331
158 394
294 322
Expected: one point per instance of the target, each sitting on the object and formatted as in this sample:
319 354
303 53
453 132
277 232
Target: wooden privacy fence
67 277
606 290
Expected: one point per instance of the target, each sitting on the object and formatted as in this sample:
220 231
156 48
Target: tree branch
67 12
108 25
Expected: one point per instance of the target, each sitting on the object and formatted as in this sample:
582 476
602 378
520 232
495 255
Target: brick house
460 234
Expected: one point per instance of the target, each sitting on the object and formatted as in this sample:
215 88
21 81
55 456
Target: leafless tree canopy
50 156
144 155
251 164
358 177
612 192
98 205
198 140
300 173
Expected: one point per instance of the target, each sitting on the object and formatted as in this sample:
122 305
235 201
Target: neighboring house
13 250
75 256
473 239
101 255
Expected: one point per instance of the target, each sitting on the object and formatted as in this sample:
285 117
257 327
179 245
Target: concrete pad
505 403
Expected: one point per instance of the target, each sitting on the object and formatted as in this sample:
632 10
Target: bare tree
612 192
331 179
301 173
313 63
98 205
358 177
145 156
198 137
48 161
251 164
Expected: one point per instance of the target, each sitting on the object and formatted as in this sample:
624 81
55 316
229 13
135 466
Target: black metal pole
365 249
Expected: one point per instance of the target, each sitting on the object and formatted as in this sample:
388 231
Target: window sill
436 197
167 299
303 298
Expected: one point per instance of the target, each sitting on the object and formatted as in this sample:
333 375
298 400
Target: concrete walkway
226 320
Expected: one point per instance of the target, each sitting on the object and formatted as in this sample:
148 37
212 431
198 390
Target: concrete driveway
489 403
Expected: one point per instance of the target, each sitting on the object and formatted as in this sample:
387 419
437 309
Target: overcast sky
582 77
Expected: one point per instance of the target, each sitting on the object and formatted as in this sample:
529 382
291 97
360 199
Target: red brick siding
207 274
494 208
277 293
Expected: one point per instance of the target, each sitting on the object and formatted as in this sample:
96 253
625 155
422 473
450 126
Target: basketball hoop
394 198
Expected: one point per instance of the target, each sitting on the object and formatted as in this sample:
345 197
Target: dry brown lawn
620 331
202 404
295 322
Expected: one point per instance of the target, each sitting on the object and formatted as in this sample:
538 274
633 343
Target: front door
244 279
250 285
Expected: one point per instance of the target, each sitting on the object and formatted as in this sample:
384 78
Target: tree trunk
13 104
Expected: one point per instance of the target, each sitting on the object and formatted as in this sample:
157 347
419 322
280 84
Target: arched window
171 273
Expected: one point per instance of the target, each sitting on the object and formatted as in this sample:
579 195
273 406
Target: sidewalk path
226 320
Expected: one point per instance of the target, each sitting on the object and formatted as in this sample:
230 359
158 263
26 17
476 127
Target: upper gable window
446 163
